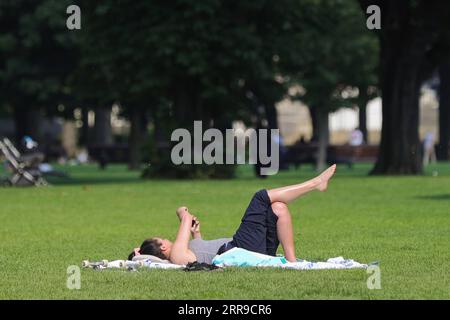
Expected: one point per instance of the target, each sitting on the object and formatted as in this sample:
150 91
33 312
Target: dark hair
149 246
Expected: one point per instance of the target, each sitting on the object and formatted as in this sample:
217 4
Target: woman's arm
180 253
195 230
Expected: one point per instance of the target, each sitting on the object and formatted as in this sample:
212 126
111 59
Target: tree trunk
404 44
314 124
362 105
21 123
136 138
400 151
444 112
271 115
102 127
28 123
185 109
363 121
411 41
84 134
323 138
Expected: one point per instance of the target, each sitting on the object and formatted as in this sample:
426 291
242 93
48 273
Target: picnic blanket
130 265
236 257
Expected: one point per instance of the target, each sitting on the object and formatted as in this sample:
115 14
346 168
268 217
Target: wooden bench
342 154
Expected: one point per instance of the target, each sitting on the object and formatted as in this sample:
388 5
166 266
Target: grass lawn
402 222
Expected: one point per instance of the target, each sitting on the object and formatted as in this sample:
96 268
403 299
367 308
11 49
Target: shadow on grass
444 197
94 181
118 177
118 174
92 176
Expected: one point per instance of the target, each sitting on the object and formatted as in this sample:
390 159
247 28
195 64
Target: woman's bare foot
324 177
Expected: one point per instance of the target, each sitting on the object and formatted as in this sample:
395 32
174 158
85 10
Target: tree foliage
185 60
37 54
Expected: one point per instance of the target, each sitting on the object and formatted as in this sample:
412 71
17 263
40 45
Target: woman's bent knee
280 208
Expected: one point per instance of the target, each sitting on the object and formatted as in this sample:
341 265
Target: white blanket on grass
238 257
131 265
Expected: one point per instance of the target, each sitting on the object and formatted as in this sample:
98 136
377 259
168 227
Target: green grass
402 222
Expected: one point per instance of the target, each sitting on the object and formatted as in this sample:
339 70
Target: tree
112 46
37 54
190 60
413 38
336 54
187 60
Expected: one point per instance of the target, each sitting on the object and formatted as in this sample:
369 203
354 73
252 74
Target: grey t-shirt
206 250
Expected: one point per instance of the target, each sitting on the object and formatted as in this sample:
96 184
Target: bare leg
290 193
284 230
280 197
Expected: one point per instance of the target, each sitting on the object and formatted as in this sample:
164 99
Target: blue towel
238 257
244 258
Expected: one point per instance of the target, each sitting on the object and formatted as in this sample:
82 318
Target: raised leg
290 193
280 197
285 232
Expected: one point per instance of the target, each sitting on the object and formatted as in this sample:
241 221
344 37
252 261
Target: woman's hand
181 211
195 230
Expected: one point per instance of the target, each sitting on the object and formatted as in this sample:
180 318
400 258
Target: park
156 140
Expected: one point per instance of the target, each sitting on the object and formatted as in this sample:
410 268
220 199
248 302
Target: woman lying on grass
265 224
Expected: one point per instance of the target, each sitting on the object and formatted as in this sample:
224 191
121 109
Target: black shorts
258 229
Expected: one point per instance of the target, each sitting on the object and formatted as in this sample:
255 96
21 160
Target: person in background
429 154
31 153
356 137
